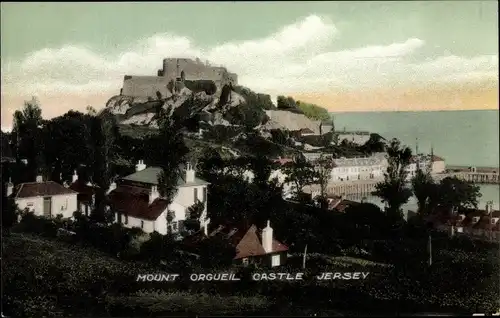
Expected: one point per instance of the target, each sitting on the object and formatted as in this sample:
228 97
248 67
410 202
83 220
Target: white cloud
296 58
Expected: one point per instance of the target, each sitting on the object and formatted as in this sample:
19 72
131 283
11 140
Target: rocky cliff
226 106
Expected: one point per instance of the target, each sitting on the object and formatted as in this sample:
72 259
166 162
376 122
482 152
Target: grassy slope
90 283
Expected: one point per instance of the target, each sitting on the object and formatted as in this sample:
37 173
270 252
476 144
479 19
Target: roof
246 240
134 202
41 189
436 158
85 192
150 176
282 161
344 204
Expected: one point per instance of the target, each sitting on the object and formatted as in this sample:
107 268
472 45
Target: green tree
103 132
9 211
324 166
300 172
454 194
168 151
312 111
192 222
27 131
376 143
423 186
393 190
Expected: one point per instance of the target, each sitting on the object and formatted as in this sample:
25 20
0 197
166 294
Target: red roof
282 161
247 242
41 189
85 192
134 202
436 158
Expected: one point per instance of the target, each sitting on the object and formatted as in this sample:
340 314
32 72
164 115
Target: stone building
175 69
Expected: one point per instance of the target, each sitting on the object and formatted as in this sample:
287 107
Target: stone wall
145 86
173 69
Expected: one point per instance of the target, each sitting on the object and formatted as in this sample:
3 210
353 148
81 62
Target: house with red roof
138 203
86 194
252 245
44 198
482 224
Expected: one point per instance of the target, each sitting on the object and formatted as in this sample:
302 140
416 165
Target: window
126 219
244 261
142 224
175 226
195 195
275 260
30 204
204 194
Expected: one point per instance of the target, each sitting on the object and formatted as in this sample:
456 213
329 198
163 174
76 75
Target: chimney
154 194
75 177
10 188
190 173
267 238
112 187
488 207
140 166
39 179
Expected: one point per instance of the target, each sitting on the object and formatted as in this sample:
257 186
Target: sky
344 56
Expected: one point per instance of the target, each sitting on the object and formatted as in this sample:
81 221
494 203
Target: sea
461 138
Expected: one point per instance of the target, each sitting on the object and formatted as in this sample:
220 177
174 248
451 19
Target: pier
356 187
480 175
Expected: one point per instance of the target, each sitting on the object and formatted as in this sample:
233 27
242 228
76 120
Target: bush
314 112
198 86
261 101
246 115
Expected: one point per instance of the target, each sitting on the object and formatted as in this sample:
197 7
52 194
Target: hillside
229 106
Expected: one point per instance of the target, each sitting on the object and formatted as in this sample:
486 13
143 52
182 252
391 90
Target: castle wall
145 86
197 71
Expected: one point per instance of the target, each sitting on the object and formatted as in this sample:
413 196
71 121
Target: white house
138 203
348 169
435 163
45 198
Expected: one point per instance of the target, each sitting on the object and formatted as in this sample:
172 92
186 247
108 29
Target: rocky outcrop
225 107
184 104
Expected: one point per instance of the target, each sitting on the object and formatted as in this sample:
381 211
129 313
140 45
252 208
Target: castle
176 70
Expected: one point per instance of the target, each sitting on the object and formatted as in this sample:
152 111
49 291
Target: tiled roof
246 241
134 202
38 189
150 176
282 161
85 192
